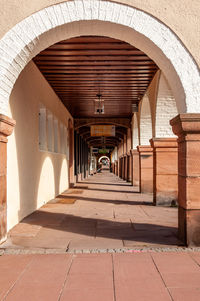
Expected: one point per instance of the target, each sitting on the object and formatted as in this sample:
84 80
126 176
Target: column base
165 199
189 226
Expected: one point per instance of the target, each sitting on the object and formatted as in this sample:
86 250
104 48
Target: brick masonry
24 41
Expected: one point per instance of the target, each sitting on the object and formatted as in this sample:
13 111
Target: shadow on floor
115 202
106 190
94 227
110 184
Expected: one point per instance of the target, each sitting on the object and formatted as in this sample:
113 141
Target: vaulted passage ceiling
80 68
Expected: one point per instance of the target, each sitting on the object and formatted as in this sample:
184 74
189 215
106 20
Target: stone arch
74 18
103 157
135 131
145 121
166 109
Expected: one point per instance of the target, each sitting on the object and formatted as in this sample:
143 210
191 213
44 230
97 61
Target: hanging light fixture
99 104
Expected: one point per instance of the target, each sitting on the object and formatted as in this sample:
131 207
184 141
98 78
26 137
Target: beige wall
34 176
182 16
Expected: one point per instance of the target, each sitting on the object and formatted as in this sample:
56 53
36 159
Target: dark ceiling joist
79 67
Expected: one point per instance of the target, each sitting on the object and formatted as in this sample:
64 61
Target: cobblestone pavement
100 241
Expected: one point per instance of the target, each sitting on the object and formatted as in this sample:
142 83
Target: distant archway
104 157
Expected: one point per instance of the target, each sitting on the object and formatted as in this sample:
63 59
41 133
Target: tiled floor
100 213
101 277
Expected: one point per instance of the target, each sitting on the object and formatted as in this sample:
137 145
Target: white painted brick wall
114 155
135 138
165 109
145 121
23 41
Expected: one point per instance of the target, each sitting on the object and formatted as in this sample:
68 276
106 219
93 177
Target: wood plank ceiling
79 68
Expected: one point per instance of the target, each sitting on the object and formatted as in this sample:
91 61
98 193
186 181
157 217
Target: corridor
100 213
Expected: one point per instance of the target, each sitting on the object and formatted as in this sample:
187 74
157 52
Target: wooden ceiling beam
92 52
92 45
109 63
77 58
78 67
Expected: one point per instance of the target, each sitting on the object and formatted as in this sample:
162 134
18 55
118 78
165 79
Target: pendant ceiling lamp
99 104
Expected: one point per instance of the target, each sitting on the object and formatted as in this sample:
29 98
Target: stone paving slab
107 213
96 277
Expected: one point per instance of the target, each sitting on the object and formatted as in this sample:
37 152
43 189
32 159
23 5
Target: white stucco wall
34 176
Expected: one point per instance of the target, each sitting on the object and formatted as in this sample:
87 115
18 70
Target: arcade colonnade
149 149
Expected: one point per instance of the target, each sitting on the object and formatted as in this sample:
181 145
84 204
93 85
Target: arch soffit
24 41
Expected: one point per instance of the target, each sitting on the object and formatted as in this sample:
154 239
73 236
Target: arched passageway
104 92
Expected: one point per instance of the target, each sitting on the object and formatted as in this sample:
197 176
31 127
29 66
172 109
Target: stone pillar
187 128
122 172
135 167
165 171
129 168
146 168
116 167
125 167
119 167
6 128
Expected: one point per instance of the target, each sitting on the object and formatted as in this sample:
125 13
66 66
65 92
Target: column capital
6 127
184 124
134 151
163 142
144 148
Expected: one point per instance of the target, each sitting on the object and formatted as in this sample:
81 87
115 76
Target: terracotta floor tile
42 280
182 280
130 294
88 295
91 281
104 207
92 265
185 294
196 257
11 268
175 263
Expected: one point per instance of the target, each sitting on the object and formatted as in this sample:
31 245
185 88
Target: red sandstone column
6 128
120 167
165 170
146 168
135 167
187 128
125 167
116 168
129 168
